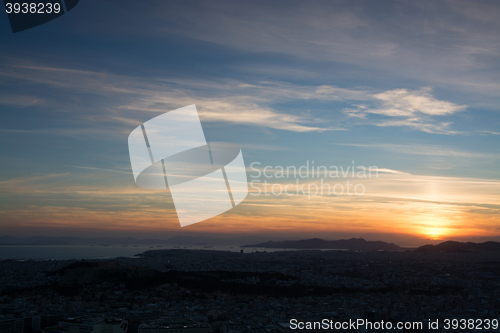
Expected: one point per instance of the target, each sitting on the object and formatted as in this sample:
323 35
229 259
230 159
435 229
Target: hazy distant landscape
47 248
107 247
176 240
208 287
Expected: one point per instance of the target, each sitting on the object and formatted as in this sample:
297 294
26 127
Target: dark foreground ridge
342 244
451 246
212 289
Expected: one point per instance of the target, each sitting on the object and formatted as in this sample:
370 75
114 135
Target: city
215 291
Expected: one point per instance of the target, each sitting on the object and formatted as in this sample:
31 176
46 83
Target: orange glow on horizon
392 204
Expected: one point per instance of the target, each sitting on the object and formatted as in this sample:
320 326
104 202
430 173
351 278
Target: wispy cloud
21 101
385 170
405 103
420 124
237 110
234 101
416 109
451 50
421 149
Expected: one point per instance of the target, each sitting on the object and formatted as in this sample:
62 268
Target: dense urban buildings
204 291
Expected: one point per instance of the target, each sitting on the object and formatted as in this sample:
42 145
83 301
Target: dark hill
452 246
317 243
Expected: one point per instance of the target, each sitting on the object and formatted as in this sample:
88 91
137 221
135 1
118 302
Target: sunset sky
411 87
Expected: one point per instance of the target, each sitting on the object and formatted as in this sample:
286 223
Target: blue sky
410 87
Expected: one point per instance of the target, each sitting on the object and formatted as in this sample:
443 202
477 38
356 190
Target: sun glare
435 233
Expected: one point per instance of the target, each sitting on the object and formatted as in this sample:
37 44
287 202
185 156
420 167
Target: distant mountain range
314 243
451 246
317 243
364 245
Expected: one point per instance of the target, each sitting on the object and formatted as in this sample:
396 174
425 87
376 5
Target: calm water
97 251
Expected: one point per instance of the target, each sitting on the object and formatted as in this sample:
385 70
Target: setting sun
436 233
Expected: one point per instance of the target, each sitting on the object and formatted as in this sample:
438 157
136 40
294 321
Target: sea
61 252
